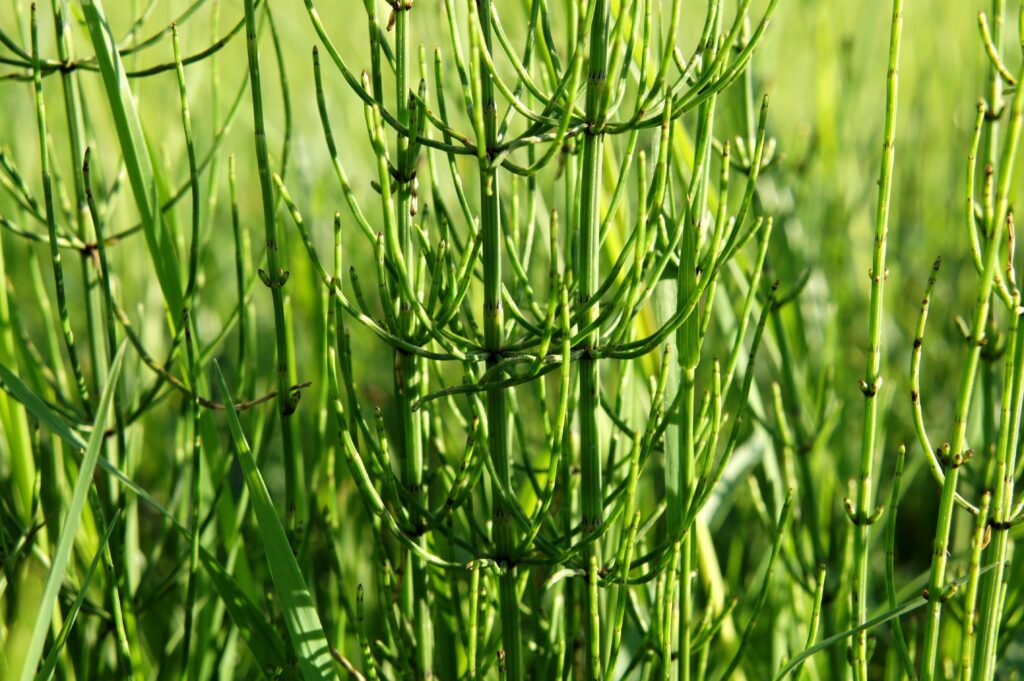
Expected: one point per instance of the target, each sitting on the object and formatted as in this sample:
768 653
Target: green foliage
545 361
304 628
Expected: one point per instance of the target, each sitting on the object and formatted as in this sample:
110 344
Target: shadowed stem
409 372
497 410
276 276
51 222
588 265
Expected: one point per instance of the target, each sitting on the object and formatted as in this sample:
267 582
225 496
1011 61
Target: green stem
954 455
191 342
108 299
409 375
970 607
872 381
240 232
1002 511
497 409
76 144
890 562
276 276
51 221
992 592
588 278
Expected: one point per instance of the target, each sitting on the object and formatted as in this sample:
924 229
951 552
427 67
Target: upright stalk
952 455
275 278
993 587
688 343
497 408
76 145
1006 448
1002 506
191 342
123 614
995 97
408 372
51 221
588 275
665 306
863 516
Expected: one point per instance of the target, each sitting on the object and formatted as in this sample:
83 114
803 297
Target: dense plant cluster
478 342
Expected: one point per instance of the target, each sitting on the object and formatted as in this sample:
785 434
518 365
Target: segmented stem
872 381
588 276
275 278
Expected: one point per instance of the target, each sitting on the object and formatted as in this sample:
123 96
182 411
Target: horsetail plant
563 421
657 237
862 515
989 224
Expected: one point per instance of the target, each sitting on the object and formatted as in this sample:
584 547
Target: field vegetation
510 339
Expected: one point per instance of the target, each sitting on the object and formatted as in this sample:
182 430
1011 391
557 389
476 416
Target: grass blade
39 409
304 628
62 556
50 663
264 642
138 163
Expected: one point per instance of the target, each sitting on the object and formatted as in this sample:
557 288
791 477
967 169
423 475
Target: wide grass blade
50 663
39 409
59 561
137 160
264 642
309 642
